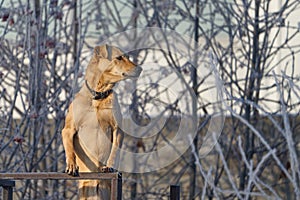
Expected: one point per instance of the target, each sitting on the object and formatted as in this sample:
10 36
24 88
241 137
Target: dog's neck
101 91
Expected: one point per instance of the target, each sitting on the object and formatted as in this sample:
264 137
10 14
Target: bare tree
45 46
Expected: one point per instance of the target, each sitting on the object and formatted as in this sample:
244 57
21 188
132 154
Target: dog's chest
106 118
95 139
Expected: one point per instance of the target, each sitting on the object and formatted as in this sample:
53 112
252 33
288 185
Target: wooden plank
174 192
57 176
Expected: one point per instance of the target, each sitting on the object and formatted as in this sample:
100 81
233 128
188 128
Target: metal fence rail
7 180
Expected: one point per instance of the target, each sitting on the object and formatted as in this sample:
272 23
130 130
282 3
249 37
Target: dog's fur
91 136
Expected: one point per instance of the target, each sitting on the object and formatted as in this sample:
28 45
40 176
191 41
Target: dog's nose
134 73
138 70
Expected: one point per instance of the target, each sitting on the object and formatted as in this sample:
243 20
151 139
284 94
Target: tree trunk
193 179
254 75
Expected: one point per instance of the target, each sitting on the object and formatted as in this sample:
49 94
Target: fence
7 181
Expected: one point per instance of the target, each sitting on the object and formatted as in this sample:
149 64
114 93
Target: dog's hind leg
94 190
90 189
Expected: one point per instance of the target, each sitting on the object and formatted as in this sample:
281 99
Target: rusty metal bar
7 185
174 192
116 187
57 176
119 197
116 180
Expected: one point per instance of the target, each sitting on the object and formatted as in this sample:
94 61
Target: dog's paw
72 168
106 169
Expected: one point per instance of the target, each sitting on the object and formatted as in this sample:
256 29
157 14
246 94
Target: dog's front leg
114 157
68 133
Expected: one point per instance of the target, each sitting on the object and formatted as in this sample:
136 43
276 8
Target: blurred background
46 45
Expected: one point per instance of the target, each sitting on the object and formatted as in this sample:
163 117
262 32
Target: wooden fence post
174 192
7 185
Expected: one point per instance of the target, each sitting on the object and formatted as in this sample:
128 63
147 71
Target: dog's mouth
135 73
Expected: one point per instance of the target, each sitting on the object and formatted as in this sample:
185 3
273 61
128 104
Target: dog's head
112 64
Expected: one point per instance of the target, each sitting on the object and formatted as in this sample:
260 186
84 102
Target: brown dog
91 136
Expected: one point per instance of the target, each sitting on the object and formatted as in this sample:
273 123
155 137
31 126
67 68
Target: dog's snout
134 73
138 70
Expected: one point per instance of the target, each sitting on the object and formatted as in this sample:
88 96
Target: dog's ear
107 51
103 51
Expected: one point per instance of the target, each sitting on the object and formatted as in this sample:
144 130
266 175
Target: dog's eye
119 57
